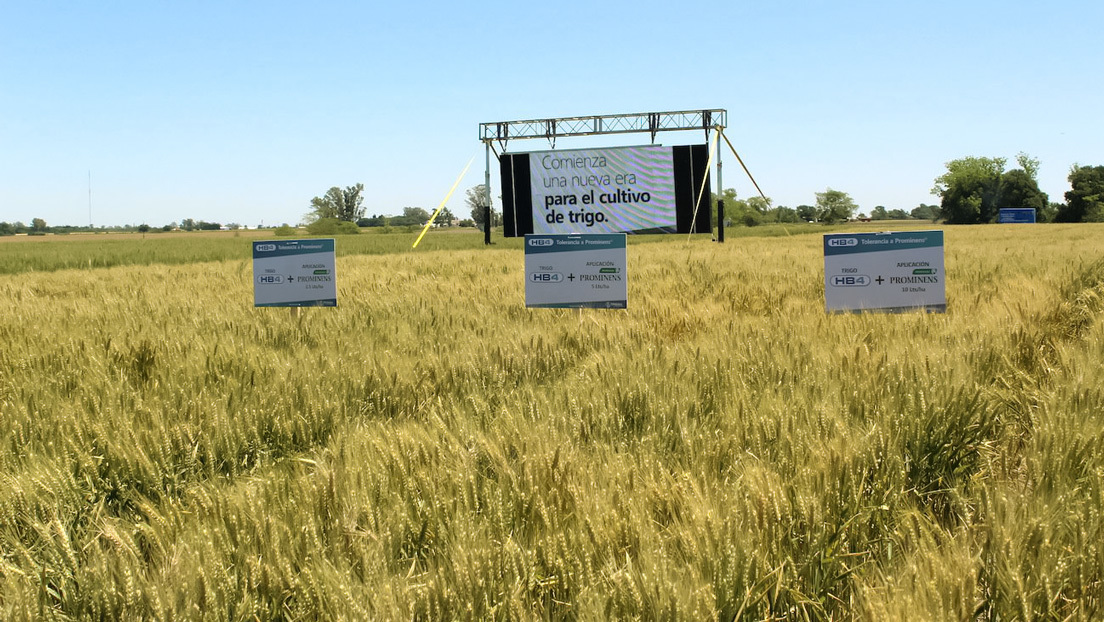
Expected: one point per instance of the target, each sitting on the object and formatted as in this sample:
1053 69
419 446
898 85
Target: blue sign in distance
1016 215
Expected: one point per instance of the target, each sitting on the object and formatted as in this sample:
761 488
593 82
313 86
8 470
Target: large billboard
643 189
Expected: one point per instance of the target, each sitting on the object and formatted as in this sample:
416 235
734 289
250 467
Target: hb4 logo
546 277
850 280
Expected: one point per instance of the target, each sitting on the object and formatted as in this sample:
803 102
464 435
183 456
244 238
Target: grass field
432 450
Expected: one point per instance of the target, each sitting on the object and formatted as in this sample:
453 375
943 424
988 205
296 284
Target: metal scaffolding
650 122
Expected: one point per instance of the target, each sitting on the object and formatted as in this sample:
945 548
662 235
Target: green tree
728 195
332 226
476 200
834 206
974 189
1029 165
187 224
925 212
1019 189
338 204
38 225
6 228
1050 212
444 218
746 215
762 205
326 206
1085 198
415 215
376 220
785 214
750 212
806 212
353 207
879 213
969 190
897 214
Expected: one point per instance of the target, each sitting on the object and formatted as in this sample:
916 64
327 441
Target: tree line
38 226
972 190
347 205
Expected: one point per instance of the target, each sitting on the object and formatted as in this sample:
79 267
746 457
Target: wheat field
432 450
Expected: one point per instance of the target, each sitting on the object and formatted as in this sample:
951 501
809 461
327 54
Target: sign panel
1016 215
622 189
893 271
576 271
294 273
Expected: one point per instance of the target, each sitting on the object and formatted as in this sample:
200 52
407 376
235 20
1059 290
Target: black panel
700 157
517 195
690 173
506 175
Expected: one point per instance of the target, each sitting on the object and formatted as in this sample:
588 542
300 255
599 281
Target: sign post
294 273
889 272
576 271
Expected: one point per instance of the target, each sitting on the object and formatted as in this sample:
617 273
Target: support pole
487 186
720 195
720 221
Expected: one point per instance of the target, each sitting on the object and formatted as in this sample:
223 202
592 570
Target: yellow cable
741 161
443 201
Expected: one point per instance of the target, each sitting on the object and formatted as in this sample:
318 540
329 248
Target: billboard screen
644 189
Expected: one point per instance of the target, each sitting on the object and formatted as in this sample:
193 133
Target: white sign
294 273
601 190
576 271
894 271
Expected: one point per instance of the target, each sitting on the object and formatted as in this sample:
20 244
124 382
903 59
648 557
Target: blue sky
242 111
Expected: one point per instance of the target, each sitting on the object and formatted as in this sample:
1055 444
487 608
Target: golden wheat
431 449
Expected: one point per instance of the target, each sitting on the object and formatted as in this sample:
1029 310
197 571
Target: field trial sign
1016 215
576 271
294 273
893 271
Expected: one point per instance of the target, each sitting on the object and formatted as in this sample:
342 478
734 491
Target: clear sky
241 111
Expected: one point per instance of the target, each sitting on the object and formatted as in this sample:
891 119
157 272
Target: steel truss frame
596 125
